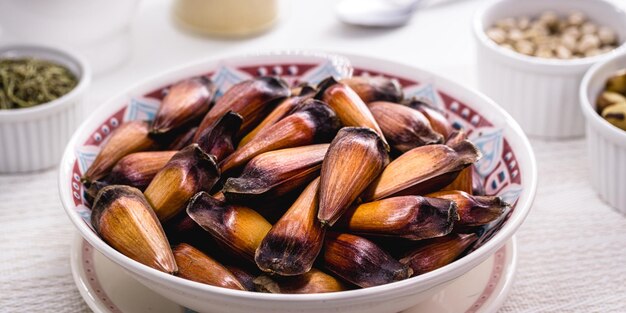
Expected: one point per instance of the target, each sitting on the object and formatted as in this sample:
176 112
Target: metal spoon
376 13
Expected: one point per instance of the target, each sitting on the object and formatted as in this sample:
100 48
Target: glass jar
230 18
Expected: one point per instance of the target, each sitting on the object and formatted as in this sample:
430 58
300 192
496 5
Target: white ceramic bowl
541 94
606 144
32 139
507 169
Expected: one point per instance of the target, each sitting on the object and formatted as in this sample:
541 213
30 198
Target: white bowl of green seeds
41 95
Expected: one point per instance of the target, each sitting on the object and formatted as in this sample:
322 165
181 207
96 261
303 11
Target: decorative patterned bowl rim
521 145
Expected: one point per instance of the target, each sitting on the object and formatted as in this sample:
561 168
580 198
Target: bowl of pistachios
603 103
41 91
533 54
298 182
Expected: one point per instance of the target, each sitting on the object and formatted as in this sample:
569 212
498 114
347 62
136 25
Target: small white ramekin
33 139
541 94
606 144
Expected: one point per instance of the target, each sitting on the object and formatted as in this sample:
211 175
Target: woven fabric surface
35 238
571 247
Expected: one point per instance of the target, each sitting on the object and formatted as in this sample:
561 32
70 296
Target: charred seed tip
447 208
195 198
402 273
109 194
323 85
307 90
367 132
233 117
275 82
205 80
191 205
264 283
323 115
490 200
203 155
248 185
417 102
85 181
454 211
325 223
468 151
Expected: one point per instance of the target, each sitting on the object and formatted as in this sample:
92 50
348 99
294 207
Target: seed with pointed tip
411 217
252 99
187 172
420 165
464 181
239 228
123 218
377 88
94 188
293 243
474 210
183 139
218 140
303 89
185 101
273 174
286 107
197 266
404 128
314 281
314 122
455 138
437 119
350 109
438 252
360 261
139 168
128 138
354 159
245 275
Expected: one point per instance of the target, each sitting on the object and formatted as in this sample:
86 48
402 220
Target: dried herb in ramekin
27 82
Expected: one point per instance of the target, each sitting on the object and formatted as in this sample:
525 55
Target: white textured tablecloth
572 247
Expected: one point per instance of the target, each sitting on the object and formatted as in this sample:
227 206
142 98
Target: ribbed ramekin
33 139
606 144
541 94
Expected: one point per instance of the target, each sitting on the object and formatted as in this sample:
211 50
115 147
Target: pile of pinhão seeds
291 189
553 36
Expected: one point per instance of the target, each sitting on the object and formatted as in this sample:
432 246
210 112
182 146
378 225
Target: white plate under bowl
107 288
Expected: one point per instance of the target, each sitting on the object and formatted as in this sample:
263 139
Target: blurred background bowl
32 139
98 29
541 94
507 169
606 144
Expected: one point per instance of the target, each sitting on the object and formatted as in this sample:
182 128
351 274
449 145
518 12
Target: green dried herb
28 82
